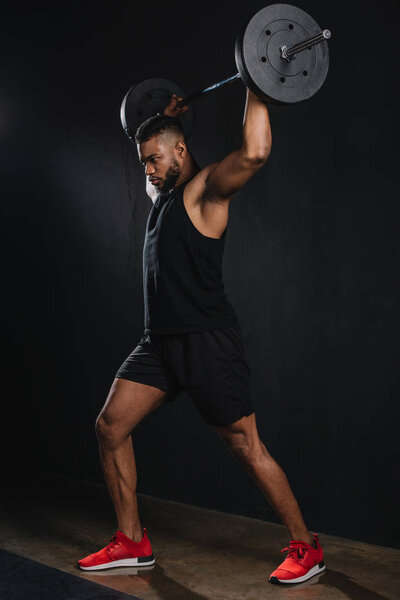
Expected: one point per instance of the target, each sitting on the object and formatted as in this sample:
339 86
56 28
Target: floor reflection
142 580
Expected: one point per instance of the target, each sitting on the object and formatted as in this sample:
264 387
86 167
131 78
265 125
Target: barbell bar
271 58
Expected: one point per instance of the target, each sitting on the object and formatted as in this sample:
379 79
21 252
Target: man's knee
108 433
101 427
246 450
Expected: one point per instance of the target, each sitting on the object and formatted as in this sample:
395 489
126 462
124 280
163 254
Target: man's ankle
306 539
135 536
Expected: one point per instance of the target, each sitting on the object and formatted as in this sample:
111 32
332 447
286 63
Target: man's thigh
148 364
128 403
213 369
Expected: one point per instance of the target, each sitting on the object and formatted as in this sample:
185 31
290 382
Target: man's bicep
230 175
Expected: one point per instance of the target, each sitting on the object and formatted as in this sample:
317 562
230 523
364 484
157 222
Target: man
193 339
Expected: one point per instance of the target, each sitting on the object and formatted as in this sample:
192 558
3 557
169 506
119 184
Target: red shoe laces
291 550
112 543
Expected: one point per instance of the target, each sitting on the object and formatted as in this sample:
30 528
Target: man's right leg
128 403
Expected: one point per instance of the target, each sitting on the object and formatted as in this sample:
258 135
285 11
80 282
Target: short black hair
156 125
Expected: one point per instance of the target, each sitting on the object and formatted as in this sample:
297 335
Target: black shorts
210 365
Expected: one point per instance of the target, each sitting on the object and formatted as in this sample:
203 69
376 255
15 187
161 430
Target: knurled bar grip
210 88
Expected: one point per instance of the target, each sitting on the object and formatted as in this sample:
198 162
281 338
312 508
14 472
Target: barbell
281 55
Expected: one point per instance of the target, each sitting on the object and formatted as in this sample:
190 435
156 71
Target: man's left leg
243 440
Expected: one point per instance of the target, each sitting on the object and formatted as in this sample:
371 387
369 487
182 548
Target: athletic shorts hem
189 329
233 418
137 379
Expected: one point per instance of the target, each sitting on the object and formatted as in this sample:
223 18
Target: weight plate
258 55
148 98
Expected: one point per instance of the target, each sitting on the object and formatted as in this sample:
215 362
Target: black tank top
182 272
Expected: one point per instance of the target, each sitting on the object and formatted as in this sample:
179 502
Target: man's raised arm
229 175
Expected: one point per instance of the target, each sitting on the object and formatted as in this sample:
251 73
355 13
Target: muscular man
192 338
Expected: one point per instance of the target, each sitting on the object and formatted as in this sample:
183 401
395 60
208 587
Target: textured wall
311 260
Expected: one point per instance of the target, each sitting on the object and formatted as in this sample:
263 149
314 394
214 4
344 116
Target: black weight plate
148 98
258 55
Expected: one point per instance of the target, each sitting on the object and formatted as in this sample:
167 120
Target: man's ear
181 149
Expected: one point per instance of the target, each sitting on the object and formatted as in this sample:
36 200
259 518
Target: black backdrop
311 261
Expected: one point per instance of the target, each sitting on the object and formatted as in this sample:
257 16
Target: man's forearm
256 128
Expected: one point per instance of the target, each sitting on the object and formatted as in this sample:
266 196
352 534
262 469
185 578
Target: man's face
160 157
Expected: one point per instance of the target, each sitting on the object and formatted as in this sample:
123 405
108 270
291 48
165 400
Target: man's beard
171 177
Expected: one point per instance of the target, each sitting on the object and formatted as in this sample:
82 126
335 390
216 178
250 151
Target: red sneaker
120 552
302 562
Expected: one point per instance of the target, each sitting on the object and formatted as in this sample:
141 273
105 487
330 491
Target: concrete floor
200 554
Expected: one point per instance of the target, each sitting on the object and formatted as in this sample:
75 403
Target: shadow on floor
25 579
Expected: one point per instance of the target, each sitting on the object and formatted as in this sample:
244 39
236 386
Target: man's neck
190 169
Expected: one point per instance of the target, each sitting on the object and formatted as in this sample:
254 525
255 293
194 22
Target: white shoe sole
313 571
141 561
